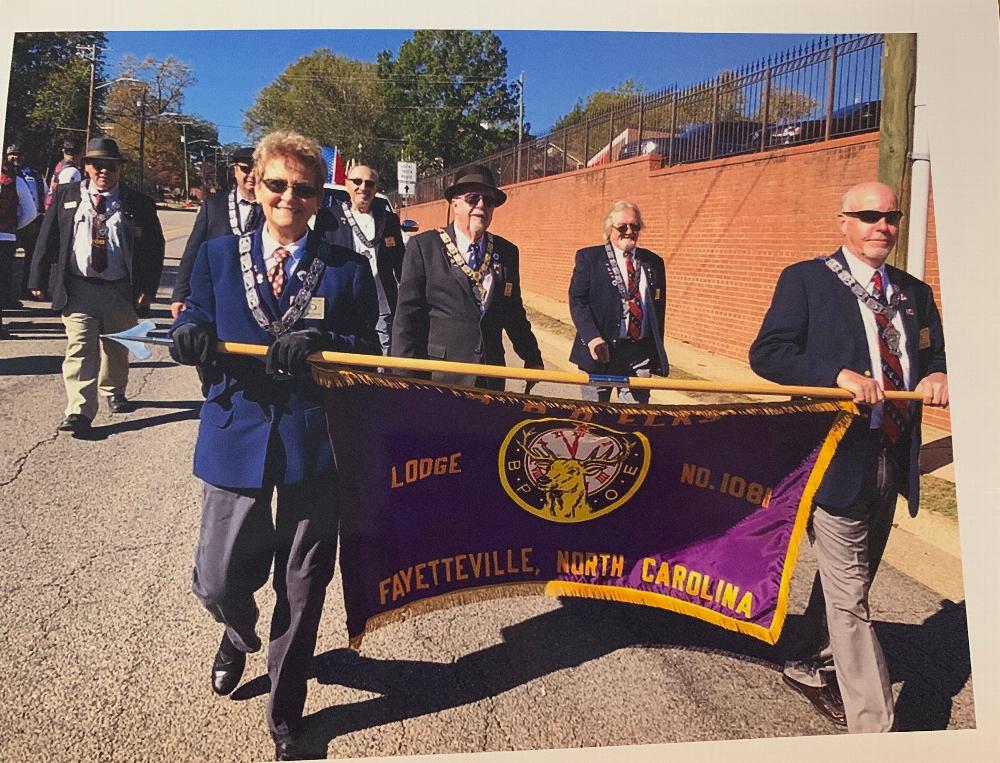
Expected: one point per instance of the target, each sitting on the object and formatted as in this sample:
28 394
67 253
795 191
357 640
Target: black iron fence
828 89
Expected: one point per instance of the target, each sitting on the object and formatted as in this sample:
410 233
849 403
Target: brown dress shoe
826 699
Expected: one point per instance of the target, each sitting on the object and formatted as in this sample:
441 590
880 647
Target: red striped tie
276 275
895 413
634 303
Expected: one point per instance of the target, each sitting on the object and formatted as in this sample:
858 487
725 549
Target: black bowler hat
243 155
71 146
13 148
103 148
475 175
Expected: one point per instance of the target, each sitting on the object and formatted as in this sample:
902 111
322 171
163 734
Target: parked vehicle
694 144
847 120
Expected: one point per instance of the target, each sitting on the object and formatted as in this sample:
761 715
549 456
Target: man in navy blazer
263 428
222 214
618 301
851 321
367 226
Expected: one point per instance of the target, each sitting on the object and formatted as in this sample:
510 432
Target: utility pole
89 52
520 123
184 140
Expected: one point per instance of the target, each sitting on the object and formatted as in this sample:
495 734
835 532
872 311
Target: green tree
334 99
599 103
48 92
447 97
785 105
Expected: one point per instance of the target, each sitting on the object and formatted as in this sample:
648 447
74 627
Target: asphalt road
108 653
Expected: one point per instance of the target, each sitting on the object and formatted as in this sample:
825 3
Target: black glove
287 356
194 344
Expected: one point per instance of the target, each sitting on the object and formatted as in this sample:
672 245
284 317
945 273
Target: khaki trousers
92 363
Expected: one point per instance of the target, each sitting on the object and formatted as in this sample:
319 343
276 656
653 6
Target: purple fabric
447 491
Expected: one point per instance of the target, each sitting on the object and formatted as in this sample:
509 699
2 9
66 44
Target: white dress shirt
295 250
647 304
366 224
82 235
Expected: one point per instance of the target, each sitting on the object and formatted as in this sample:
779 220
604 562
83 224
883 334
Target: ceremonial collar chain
87 204
300 302
476 276
889 332
379 226
617 279
234 218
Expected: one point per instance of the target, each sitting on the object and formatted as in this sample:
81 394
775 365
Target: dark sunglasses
473 199
624 227
102 165
299 190
361 181
872 216
244 168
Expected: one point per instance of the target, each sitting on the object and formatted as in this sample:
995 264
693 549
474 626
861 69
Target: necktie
98 238
276 275
895 413
475 258
634 301
252 216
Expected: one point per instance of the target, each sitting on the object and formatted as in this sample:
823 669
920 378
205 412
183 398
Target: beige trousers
92 363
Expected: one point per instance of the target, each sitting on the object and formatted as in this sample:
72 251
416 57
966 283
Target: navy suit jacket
438 316
813 330
595 305
211 222
247 413
388 249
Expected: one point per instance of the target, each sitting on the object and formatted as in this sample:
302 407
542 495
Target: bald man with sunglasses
850 320
461 288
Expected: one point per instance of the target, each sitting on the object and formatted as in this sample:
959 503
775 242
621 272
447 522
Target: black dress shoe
227 667
118 403
826 699
76 423
289 750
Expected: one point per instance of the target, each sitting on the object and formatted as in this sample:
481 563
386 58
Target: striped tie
634 302
276 275
895 413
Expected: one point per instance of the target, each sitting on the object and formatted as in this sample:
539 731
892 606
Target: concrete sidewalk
928 549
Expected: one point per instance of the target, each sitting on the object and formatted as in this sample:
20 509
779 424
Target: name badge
925 339
69 204
317 308
390 240
657 294
508 289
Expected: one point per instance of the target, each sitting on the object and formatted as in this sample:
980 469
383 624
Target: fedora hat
103 148
474 175
243 155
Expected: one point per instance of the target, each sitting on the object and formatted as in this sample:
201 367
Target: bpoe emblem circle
567 471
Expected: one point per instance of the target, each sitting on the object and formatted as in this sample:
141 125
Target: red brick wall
724 228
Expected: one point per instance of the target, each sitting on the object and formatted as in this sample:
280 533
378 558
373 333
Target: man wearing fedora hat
232 213
106 244
461 287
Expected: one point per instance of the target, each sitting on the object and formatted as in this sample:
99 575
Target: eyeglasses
362 181
299 190
473 199
872 216
244 168
625 227
100 165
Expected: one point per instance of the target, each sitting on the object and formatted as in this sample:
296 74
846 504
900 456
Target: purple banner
454 495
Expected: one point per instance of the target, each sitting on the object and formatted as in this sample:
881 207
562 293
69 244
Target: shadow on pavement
189 410
934 455
931 659
31 365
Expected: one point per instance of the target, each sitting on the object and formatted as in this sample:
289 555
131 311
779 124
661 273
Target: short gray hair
620 206
367 167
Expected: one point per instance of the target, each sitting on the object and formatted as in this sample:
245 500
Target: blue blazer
596 306
813 330
254 428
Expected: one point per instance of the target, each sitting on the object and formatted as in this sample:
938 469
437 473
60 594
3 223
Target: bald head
868 235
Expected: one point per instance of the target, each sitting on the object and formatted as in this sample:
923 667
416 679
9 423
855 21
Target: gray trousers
837 632
237 543
627 359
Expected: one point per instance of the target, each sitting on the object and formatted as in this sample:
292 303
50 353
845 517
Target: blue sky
560 67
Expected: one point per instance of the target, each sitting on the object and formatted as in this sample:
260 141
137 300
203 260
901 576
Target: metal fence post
586 142
765 108
830 90
673 128
715 118
565 147
642 114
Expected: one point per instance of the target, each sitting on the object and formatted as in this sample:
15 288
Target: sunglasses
100 165
361 181
473 199
299 190
625 227
244 168
872 216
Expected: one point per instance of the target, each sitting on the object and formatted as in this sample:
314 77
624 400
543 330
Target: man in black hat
222 214
106 244
67 170
461 286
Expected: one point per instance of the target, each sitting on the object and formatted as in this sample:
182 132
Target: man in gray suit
461 288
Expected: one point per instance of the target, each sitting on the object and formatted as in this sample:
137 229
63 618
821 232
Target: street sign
406 174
